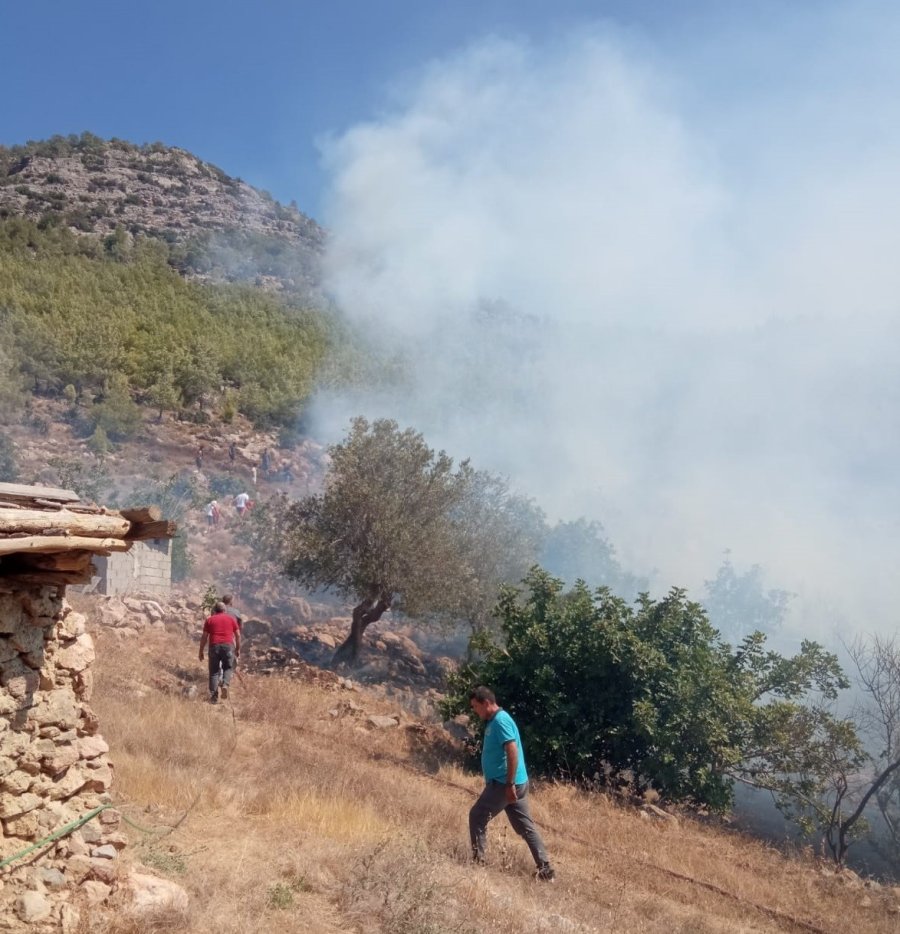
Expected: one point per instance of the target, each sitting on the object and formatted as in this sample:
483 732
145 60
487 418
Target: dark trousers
222 655
490 803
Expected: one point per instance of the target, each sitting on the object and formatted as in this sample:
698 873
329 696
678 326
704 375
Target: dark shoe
545 874
223 692
214 698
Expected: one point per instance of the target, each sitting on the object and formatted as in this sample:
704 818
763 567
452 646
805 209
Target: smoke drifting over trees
649 293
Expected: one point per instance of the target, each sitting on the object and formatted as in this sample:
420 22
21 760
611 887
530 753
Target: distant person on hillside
212 514
506 783
240 503
232 453
223 634
266 463
253 473
198 457
232 610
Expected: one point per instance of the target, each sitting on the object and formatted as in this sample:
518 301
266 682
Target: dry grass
294 820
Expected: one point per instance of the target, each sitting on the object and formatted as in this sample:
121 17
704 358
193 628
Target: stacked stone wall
53 764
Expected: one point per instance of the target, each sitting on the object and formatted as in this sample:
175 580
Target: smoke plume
653 286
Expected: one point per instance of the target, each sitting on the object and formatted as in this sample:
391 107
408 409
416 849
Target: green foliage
90 480
738 604
9 468
579 550
383 526
224 485
117 416
76 311
604 691
99 441
12 384
209 598
229 407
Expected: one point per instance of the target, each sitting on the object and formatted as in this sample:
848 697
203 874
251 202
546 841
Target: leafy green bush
91 481
603 692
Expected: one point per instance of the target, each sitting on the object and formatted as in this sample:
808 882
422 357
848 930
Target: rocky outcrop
53 763
96 186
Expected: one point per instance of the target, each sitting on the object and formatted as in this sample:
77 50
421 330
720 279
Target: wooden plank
45 544
60 561
64 521
142 514
51 578
21 491
142 531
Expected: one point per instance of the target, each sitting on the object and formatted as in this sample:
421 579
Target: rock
107 851
458 727
32 907
72 625
13 805
89 747
16 783
96 892
654 811
150 894
327 640
52 878
77 656
383 723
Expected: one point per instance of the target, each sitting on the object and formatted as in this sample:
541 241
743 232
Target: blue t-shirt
501 728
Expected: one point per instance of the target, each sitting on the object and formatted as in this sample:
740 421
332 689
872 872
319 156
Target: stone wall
145 568
53 764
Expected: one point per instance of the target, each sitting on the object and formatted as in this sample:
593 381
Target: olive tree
400 526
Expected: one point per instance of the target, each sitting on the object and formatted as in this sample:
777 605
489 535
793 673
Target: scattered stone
96 892
107 851
32 907
383 723
150 893
52 878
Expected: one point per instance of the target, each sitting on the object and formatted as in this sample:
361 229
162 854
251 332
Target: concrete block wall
145 568
53 763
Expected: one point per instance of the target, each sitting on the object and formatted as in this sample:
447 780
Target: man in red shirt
224 636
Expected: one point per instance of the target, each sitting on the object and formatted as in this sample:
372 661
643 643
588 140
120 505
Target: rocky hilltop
217 225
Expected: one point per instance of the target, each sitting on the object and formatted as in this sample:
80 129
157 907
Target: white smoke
649 300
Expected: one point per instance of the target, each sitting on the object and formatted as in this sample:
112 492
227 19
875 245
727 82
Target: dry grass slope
289 819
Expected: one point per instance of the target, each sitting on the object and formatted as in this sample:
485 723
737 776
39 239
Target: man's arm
512 766
203 640
237 641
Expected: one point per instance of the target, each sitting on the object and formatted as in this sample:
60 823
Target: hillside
218 226
309 817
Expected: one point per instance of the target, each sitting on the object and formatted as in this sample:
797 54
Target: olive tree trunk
365 613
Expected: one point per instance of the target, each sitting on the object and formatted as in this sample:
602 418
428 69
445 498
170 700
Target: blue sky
253 87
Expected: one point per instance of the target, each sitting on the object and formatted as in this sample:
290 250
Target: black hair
482 694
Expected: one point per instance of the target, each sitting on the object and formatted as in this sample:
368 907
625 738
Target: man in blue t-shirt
506 782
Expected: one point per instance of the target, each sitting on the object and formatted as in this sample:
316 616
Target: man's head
218 607
483 701
227 599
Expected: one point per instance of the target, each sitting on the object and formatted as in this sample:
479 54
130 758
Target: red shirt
221 628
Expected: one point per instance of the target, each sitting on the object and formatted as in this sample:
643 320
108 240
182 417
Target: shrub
604 691
9 469
99 442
